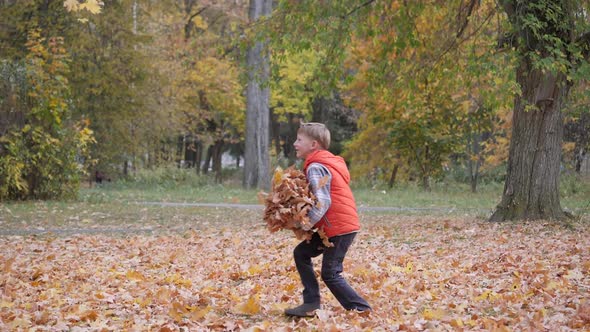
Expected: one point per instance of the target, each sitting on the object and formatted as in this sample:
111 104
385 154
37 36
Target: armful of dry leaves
288 203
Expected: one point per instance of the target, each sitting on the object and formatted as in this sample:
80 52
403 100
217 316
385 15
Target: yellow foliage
93 6
290 92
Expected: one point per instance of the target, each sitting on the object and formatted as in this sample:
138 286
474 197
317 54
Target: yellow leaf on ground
250 307
436 314
135 276
487 295
6 304
456 322
178 280
201 313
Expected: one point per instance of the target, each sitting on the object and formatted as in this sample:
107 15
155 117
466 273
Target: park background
137 134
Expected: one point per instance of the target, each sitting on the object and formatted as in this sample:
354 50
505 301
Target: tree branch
197 13
189 24
356 9
470 8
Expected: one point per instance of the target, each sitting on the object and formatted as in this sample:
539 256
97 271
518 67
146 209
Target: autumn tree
406 68
43 143
551 39
195 50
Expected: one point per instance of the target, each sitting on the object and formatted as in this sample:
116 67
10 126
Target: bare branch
356 9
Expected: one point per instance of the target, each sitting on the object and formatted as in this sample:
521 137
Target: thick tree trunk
531 190
257 159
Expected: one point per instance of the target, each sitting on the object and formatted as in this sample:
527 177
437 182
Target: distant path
361 208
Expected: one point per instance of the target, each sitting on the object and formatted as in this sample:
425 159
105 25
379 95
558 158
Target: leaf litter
418 273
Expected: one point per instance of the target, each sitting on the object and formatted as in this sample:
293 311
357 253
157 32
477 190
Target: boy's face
304 145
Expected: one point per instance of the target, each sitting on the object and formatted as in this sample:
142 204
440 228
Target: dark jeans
331 271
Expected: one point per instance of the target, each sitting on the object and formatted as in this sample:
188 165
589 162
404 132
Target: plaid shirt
317 172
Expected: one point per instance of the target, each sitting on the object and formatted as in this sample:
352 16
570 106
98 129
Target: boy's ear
315 144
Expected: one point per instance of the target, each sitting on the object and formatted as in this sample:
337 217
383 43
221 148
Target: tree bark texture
531 190
474 163
256 158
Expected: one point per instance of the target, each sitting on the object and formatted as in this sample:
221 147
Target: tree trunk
256 158
393 176
208 159
198 155
275 133
216 155
531 190
474 159
425 168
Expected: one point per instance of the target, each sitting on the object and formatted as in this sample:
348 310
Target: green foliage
547 33
44 158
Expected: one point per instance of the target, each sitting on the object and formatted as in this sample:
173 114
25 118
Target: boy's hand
306 226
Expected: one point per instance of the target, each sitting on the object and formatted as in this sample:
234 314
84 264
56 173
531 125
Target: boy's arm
317 173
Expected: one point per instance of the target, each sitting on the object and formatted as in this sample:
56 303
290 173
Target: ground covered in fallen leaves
228 273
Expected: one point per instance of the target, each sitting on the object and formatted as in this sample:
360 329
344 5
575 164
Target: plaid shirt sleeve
316 173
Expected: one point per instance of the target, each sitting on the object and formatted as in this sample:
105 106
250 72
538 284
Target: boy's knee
329 276
299 253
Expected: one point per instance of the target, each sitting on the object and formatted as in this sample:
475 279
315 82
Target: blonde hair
316 131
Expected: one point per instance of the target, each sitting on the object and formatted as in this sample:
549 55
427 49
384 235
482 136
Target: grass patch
122 200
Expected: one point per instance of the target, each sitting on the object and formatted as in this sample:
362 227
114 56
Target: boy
335 214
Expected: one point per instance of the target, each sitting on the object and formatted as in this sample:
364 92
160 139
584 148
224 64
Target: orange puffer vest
341 218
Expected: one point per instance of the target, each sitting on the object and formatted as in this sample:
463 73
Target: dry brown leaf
288 203
529 276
